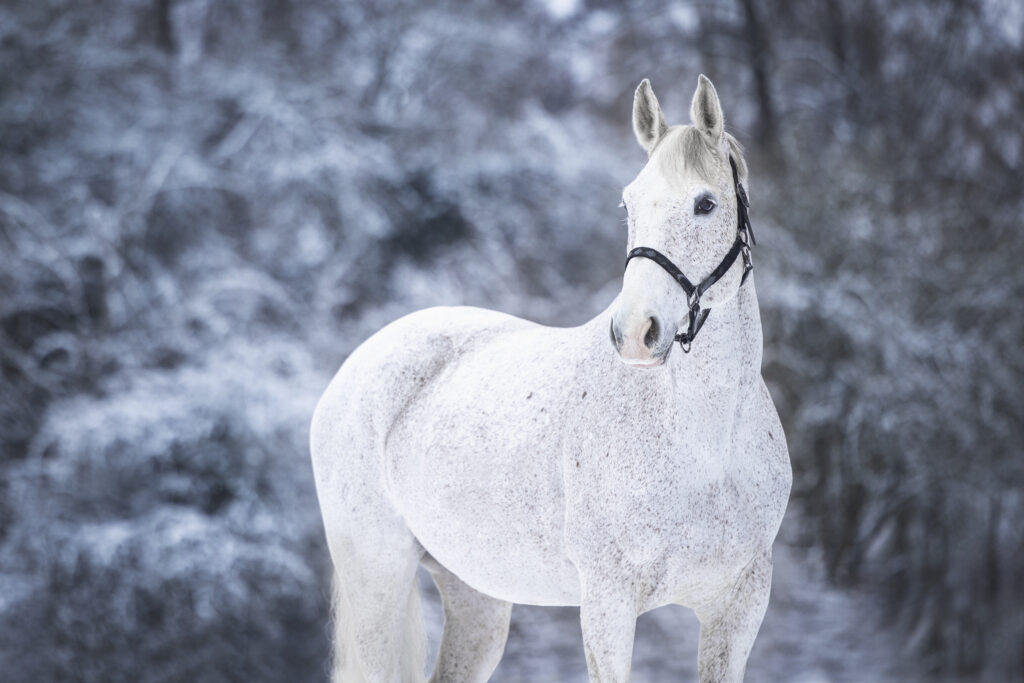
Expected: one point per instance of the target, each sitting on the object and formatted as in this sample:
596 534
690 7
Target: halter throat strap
741 246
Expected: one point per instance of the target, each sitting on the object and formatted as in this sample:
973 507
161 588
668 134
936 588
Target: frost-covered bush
205 206
894 342
169 596
157 534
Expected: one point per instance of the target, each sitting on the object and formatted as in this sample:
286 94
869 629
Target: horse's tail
346 660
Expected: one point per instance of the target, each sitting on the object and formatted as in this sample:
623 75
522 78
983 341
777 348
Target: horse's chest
674 516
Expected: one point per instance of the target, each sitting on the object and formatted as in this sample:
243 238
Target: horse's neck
728 346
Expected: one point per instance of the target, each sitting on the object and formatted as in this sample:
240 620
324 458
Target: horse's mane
685 148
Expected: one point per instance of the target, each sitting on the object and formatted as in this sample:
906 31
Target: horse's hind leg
728 627
475 629
378 625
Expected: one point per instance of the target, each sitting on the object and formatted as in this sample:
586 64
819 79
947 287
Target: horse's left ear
706 111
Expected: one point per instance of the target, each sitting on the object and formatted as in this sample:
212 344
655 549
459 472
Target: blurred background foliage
205 206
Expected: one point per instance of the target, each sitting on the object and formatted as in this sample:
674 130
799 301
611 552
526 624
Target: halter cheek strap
741 246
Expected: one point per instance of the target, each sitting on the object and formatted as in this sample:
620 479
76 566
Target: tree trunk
758 54
164 26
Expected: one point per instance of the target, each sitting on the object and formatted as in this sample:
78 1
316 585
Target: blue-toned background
205 205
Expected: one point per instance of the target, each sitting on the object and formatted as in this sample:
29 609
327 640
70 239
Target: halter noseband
744 240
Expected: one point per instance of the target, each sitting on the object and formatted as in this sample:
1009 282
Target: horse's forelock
684 149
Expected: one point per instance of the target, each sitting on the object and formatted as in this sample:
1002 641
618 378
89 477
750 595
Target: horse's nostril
652 333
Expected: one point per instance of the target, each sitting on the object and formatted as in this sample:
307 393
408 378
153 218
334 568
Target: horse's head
683 204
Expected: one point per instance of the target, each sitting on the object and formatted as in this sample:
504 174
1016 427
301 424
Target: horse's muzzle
641 341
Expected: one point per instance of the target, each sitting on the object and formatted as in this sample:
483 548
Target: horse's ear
706 111
648 122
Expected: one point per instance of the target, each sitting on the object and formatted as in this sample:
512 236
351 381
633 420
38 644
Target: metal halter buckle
693 300
685 339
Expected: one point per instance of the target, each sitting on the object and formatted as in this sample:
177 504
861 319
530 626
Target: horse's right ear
648 122
706 111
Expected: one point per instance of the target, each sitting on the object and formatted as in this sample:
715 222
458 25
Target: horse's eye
704 205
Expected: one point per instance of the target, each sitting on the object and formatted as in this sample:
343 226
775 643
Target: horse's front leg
608 613
729 625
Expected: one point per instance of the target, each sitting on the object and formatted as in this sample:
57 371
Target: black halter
744 240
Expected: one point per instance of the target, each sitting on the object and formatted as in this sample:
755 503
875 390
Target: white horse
547 466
